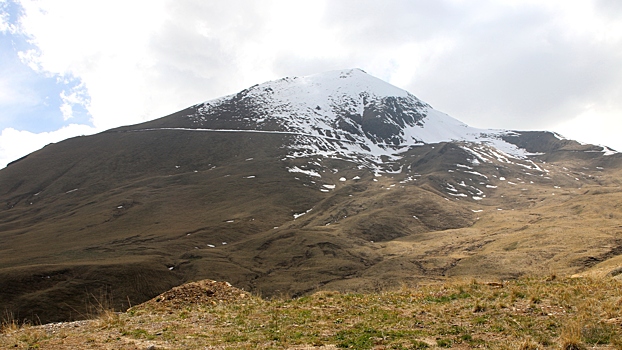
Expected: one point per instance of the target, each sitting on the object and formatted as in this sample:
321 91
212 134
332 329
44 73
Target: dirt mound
200 292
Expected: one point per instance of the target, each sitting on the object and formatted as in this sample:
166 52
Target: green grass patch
139 333
358 338
447 298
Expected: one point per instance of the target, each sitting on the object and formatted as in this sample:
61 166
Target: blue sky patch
31 100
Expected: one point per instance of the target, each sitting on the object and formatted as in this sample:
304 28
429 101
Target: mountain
331 181
348 115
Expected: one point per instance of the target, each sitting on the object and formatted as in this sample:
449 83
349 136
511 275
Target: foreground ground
530 313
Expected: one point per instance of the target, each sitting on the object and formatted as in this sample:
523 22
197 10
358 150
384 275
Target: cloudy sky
75 67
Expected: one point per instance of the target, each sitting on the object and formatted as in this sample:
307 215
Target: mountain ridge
363 119
298 203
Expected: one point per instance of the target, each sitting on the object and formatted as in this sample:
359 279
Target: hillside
333 181
528 313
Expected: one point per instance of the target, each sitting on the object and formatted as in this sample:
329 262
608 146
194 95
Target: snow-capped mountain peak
345 114
324 86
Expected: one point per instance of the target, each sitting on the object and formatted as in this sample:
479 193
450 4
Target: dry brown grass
529 313
8 322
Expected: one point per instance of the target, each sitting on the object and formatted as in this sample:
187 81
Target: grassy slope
146 202
528 313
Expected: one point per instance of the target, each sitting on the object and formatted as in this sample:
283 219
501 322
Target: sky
74 67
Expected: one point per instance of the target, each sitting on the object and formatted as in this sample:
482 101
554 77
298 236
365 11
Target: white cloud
598 125
15 144
521 65
77 96
5 19
512 64
103 44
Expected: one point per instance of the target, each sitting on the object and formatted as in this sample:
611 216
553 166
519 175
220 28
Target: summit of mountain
336 180
352 111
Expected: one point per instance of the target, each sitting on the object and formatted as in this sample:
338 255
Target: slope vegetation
528 313
335 181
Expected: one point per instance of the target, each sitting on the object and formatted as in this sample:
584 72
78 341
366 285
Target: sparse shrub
544 340
9 323
235 337
479 308
447 298
31 336
551 277
511 246
357 338
453 330
416 345
517 294
444 343
110 319
497 328
529 345
480 320
139 333
598 334
571 345
571 337
466 337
